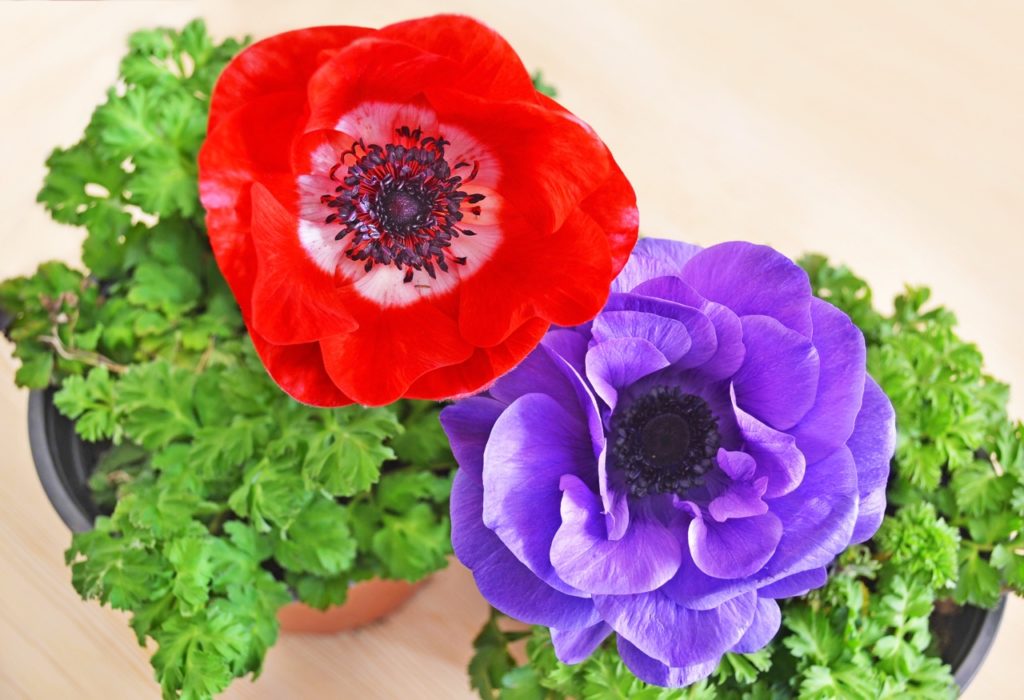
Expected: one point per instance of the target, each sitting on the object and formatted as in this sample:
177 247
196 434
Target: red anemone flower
400 213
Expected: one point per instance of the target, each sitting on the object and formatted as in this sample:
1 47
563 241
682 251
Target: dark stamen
665 442
401 204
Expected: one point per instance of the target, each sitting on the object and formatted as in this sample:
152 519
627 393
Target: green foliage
957 448
953 530
542 86
225 498
213 474
921 544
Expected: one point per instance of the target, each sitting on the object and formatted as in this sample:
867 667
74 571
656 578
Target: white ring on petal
385 284
376 122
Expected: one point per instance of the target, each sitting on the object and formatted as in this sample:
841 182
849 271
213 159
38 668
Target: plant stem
88 357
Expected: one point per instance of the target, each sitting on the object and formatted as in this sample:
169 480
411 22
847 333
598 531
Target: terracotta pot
368 601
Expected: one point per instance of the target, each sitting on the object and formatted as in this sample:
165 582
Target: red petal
293 301
549 160
564 278
371 70
376 363
299 371
490 66
482 368
279 63
250 143
613 207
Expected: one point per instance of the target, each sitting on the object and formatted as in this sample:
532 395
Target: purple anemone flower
704 447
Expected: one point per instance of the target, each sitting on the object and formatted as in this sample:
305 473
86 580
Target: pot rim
43 442
984 639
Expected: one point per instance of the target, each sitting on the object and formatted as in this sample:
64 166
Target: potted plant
910 612
205 502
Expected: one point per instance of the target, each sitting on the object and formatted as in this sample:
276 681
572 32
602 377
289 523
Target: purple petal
840 346
502 579
671 288
573 646
735 548
532 445
643 559
741 494
614 498
656 673
538 373
741 499
637 270
615 364
675 254
653 257
872 445
700 343
817 517
468 424
779 377
796 584
817 522
569 344
776 453
729 349
585 405
753 280
692 588
766 624
675 635
739 466
667 334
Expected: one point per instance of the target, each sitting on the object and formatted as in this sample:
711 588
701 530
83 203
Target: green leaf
82 187
196 655
166 182
542 86
979 582
1012 565
414 543
980 490
398 492
921 543
156 401
91 401
320 592
318 541
422 442
491 660
346 451
35 371
193 569
812 636
103 568
521 684
271 493
171 289
223 447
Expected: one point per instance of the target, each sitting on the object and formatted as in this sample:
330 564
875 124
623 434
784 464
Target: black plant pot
64 462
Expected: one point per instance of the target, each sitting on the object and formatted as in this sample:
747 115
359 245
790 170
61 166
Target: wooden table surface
886 135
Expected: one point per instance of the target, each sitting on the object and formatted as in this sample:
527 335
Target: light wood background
888 135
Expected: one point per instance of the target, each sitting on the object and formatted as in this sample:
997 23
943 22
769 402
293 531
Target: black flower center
665 442
401 204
